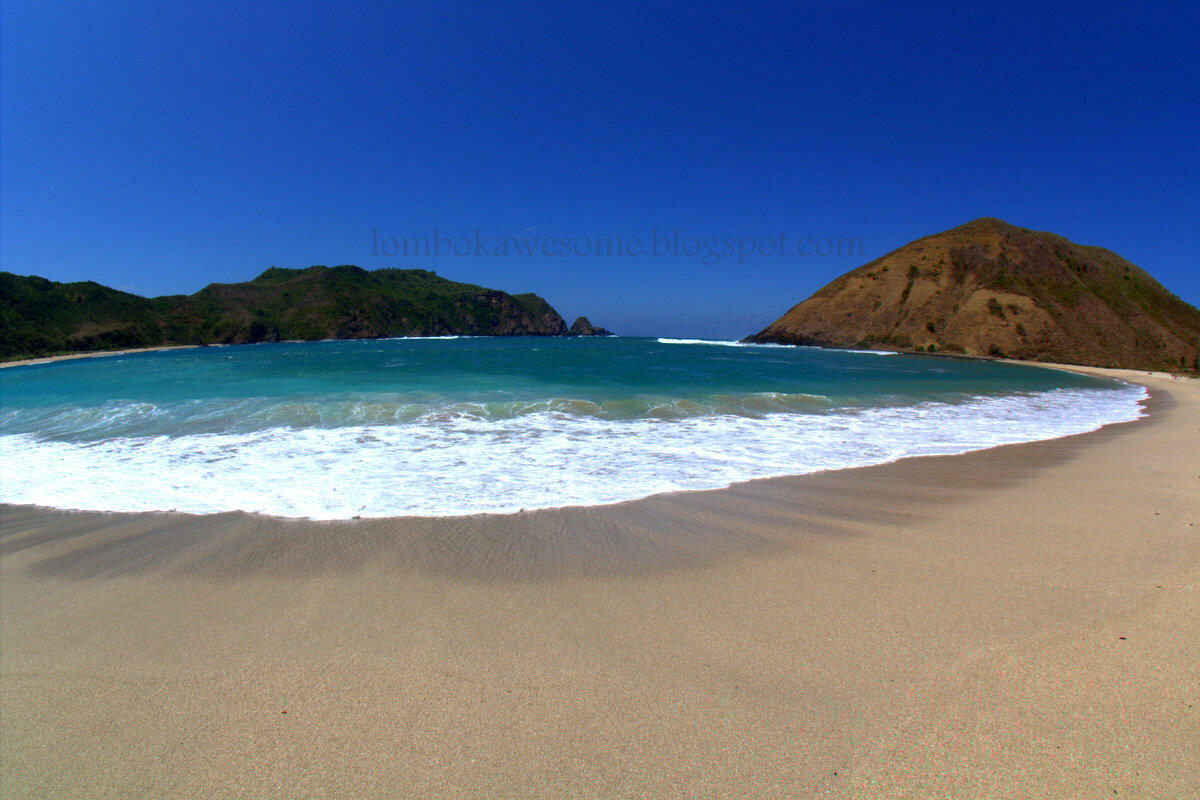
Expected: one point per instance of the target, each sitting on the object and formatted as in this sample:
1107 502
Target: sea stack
582 327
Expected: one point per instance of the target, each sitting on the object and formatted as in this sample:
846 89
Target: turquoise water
451 426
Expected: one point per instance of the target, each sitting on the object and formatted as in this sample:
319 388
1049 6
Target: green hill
42 317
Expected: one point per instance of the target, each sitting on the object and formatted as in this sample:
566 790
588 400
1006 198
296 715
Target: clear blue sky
158 147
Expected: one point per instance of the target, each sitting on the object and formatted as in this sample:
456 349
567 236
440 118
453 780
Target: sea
477 425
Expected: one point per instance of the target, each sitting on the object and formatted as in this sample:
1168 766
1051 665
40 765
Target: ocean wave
721 343
731 343
124 419
448 464
872 352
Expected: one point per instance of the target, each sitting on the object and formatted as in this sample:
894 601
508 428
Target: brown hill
990 288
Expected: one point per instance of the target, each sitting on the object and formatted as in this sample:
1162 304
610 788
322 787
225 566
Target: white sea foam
452 464
874 352
721 343
731 343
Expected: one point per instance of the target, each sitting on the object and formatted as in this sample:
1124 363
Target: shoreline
962 356
1011 622
26 362
1145 404
23 362
1125 376
477 523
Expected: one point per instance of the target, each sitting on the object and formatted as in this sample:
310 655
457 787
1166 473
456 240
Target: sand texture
1020 622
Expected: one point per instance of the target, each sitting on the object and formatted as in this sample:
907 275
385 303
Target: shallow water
334 430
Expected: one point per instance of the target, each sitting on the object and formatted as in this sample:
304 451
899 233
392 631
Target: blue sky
158 147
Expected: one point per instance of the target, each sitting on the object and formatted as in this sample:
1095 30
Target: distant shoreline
24 362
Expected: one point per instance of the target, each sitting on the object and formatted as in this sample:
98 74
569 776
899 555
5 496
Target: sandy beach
21 362
1017 622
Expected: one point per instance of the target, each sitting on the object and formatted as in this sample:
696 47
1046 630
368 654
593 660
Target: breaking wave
402 456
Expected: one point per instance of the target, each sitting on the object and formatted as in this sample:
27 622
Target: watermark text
709 250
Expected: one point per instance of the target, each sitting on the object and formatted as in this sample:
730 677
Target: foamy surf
733 343
720 342
379 428
458 464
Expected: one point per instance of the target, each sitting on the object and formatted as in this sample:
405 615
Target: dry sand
1019 622
21 362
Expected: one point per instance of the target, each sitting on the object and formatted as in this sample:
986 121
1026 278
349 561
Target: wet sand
1016 622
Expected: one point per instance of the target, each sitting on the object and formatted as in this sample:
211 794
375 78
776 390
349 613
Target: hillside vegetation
41 317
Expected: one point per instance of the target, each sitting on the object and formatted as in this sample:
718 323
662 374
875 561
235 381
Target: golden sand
1017 622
